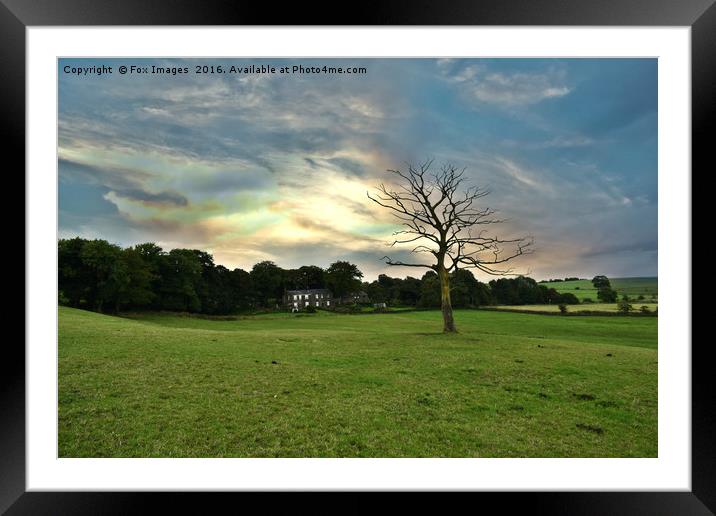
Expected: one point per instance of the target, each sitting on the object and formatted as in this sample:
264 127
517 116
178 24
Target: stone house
300 299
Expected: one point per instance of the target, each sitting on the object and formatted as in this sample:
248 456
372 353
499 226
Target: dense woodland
100 276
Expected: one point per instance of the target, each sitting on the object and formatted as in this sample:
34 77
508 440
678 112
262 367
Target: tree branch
432 208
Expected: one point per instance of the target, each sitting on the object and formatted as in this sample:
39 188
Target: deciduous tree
441 217
343 278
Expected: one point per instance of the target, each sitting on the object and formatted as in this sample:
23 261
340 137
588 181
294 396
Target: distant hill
633 287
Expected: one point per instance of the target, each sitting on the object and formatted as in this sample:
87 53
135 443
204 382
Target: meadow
367 385
633 287
586 307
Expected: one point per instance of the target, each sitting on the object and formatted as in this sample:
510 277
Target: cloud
521 175
110 177
348 166
156 199
480 85
218 180
255 119
125 183
558 142
615 248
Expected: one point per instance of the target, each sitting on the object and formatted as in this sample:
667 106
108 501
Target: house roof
309 291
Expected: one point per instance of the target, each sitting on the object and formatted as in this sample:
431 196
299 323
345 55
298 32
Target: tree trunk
446 305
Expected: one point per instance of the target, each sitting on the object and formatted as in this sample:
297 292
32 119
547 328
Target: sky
276 166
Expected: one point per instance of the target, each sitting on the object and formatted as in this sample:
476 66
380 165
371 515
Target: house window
295 304
306 303
328 303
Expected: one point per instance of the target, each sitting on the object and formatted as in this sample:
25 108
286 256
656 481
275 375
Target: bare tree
441 218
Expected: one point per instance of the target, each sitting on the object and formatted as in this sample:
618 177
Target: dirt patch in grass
585 397
590 428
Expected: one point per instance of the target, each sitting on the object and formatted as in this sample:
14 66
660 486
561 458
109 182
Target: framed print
441 249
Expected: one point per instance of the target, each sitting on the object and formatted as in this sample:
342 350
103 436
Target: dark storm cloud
350 166
154 198
124 182
611 249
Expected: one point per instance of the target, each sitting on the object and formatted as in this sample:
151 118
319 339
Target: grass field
383 385
589 307
633 287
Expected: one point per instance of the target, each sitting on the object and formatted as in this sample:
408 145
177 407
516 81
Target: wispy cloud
479 84
520 174
558 142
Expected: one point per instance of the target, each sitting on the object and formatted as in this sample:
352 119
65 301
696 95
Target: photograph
444 257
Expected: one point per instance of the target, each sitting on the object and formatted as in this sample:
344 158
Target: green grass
633 287
383 385
587 307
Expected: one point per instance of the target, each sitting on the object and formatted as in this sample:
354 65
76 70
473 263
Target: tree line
100 276
104 277
465 290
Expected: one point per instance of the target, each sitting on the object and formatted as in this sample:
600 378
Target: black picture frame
700 15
